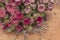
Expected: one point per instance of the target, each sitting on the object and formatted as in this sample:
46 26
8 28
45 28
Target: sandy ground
52 33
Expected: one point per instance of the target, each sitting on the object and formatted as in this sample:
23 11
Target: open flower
14 1
52 1
26 21
39 19
2 1
31 21
18 2
50 5
33 6
14 21
18 15
26 2
16 12
45 1
11 0
10 7
19 28
41 7
27 9
7 26
32 1
2 12
16 18
41 1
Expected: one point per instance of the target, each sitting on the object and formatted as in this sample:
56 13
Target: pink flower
41 1
41 7
50 5
2 12
31 21
26 2
52 1
7 26
33 6
2 1
18 2
16 11
26 21
14 20
19 28
10 7
27 10
11 0
39 24
39 19
45 1
32 1
18 14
